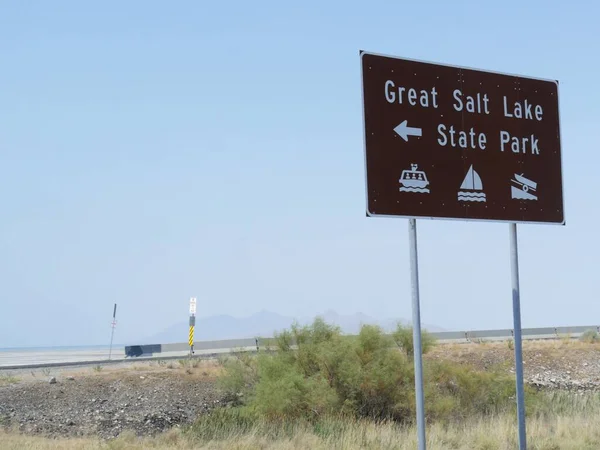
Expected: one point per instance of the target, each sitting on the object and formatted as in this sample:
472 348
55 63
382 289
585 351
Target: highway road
52 356
32 359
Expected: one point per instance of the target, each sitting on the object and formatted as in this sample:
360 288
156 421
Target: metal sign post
516 296
416 319
113 326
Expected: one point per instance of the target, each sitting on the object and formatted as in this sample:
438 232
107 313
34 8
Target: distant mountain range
265 324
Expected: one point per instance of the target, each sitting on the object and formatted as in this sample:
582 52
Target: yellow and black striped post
192 324
191 334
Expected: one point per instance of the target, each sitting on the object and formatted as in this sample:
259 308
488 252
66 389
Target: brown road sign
456 143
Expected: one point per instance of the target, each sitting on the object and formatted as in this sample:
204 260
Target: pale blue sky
152 151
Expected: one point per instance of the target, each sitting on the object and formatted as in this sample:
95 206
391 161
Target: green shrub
285 392
455 392
403 336
317 372
240 375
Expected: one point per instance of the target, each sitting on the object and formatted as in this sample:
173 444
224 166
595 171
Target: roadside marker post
192 324
454 143
113 325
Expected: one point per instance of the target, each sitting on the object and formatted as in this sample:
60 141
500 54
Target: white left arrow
404 131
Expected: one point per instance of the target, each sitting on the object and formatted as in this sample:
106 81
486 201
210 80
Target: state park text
479 103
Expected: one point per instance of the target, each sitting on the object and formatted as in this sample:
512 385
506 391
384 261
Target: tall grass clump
590 337
8 379
317 372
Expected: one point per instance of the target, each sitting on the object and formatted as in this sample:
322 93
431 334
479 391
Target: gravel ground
146 400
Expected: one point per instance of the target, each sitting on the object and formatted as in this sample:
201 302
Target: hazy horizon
231 326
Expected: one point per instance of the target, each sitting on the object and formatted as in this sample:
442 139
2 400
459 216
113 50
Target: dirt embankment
556 364
146 398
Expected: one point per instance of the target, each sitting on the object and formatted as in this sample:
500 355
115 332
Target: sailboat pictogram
471 189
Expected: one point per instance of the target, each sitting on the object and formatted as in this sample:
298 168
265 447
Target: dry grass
560 354
8 379
563 342
566 432
559 344
195 369
200 368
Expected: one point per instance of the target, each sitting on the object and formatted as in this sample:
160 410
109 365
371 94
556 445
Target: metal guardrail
453 336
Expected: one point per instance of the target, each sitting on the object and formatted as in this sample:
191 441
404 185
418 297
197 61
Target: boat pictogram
414 180
523 188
